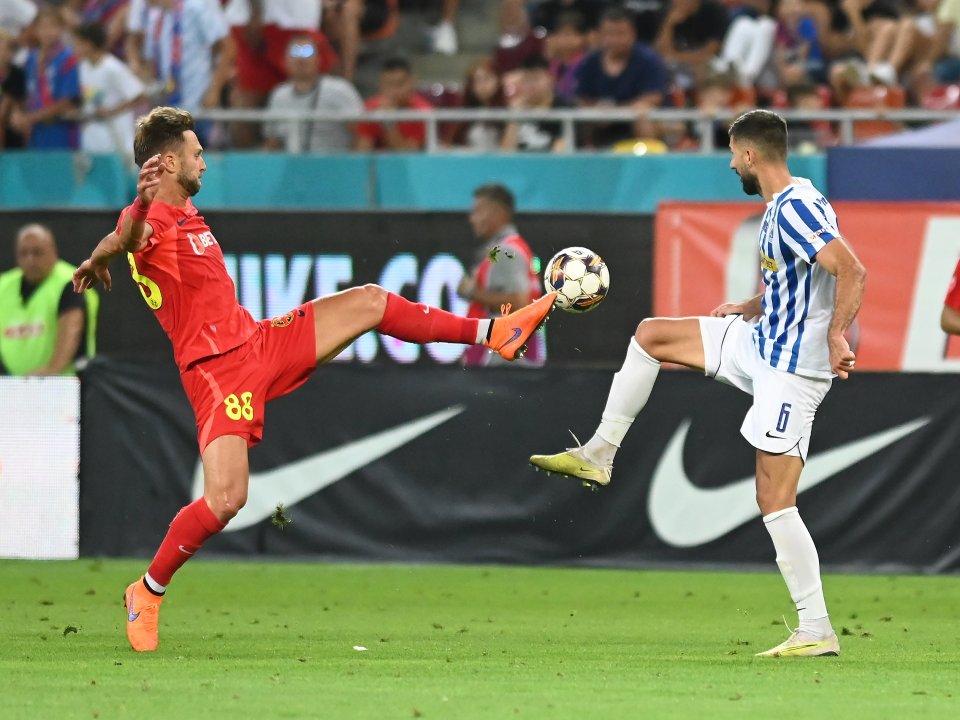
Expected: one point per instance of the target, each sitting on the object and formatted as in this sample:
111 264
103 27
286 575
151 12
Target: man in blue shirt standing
622 73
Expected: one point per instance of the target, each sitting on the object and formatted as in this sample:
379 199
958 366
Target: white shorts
784 404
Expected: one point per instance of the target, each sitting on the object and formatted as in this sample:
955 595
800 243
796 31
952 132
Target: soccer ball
579 276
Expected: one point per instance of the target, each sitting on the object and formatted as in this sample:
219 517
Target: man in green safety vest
45 328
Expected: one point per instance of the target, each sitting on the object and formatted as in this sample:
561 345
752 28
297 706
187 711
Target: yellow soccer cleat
143 616
573 462
801 645
509 334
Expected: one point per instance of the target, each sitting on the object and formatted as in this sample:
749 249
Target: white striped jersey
799 294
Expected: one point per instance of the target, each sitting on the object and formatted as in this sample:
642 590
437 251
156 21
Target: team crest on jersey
283 320
768 263
201 242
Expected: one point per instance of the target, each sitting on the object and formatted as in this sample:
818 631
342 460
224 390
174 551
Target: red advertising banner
706 254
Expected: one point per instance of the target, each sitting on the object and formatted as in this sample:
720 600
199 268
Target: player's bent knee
374 301
227 504
650 336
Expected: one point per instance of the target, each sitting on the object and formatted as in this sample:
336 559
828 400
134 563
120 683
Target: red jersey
953 292
412 130
184 280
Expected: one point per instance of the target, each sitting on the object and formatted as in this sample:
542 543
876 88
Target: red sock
419 323
188 531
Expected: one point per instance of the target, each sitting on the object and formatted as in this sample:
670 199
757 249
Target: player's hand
89 274
842 358
728 309
149 181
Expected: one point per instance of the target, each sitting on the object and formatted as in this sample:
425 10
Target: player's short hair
500 194
766 130
159 130
93 33
396 63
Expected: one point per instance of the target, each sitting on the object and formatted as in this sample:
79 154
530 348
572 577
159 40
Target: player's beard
192 186
751 185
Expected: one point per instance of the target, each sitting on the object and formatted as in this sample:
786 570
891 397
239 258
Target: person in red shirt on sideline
230 364
950 317
397 92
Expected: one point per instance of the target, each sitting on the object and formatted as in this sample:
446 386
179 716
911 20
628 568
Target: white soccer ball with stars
579 276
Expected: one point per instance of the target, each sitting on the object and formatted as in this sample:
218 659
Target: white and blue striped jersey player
799 295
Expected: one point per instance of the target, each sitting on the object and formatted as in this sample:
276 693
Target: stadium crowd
74 73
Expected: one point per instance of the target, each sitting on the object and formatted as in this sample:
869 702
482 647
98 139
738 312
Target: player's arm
950 320
837 258
750 308
134 233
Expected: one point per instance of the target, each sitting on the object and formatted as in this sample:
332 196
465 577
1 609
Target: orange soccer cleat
143 616
509 334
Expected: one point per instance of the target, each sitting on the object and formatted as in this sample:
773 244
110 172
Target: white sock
800 567
154 585
629 393
483 327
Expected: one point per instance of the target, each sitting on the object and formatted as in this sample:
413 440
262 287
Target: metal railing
570 119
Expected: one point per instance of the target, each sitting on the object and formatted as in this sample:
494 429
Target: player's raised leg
342 317
777 480
225 479
657 340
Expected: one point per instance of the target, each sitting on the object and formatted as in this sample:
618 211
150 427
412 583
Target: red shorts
229 392
262 68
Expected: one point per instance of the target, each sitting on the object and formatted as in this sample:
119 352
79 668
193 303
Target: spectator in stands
482 89
347 22
181 40
504 272
621 73
111 14
309 90
16 15
871 28
939 61
45 327
799 56
53 88
566 49
397 92
261 30
690 38
13 91
535 93
748 47
811 135
110 94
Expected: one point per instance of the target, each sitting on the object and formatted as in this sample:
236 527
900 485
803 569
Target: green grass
254 640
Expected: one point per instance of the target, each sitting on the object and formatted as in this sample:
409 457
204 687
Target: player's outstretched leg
225 486
342 317
656 340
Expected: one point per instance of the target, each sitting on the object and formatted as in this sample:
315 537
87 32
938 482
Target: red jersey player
950 317
230 364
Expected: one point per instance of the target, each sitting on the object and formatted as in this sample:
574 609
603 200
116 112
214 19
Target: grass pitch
254 640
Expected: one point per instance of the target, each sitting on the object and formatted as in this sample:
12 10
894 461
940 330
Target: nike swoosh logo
184 550
181 222
775 437
516 334
291 483
684 515
131 616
